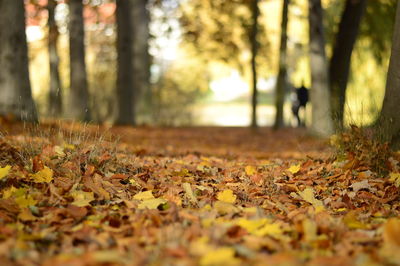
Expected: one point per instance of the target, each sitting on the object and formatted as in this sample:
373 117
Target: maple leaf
220 256
146 195
226 196
350 219
294 168
250 170
308 195
4 171
151 204
82 198
24 201
43 176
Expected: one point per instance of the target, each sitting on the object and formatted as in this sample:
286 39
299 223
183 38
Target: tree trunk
78 107
15 89
341 57
254 49
281 82
141 57
125 86
388 124
320 95
55 90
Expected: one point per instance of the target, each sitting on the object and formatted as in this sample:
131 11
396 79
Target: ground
88 195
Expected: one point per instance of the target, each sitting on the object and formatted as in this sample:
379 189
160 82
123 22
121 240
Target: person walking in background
299 100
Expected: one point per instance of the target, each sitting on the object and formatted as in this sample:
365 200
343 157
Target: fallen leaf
43 176
226 196
250 170
151 204
395 179
4 171
146 195
82 198
308 195
189 193
221 256
391 233
352 222
294 168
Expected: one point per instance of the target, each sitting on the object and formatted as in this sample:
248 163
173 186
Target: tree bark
141 57
388 125
78 107
125 85
15 89
281 82
341 58
55 90
254 50
320 96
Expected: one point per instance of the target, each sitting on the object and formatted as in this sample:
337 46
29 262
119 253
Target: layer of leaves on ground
194 196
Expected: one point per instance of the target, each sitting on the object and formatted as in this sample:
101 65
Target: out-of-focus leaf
43 176
250 170
308 195
82 198
151 204
146 195
350 219
294 168
4 171
226 196
221 256
395 179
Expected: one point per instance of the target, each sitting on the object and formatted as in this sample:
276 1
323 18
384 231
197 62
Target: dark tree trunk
15 89
320 94
55 91
141 57
125 86
254 50
388 124
341 58
281 82
78 107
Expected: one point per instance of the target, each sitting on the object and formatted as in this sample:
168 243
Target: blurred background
193 58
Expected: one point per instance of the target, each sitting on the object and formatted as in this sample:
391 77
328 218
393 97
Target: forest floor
86 195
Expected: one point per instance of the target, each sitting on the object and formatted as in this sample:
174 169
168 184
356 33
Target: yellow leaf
82 198
395 179
294 168
224 207
4 171
269 229
308 195
9 192
221 256
151 204
146 195
250 170
24 201
226 196
350 219
251 226
43 176
26 215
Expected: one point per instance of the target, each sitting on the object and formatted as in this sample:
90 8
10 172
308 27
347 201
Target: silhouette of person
299 100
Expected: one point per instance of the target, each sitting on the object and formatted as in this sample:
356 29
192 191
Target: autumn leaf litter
93 203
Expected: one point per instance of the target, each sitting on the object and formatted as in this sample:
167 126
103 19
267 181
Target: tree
341 58
15 89
78 107
255 12
320 95
388 124
281 82
125 85
55 91
140 52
